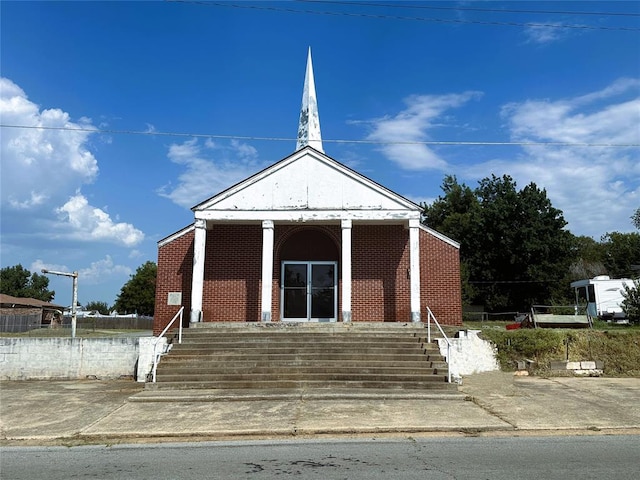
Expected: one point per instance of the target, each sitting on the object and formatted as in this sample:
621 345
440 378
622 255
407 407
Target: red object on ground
513 326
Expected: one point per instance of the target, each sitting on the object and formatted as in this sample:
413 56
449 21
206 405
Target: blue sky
98 200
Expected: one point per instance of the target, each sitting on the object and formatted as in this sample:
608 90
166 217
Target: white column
197 280
414 265
346 270
267 269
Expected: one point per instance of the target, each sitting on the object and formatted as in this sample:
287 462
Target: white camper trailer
603 296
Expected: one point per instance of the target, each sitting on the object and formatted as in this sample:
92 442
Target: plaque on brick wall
174 298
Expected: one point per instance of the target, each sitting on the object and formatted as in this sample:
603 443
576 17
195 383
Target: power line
398 17
472 9
504 282
290 139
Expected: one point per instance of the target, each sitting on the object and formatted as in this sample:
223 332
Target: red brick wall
175 268
440 286
232 274
380 265
379 262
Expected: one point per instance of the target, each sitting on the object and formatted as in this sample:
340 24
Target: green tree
522 245
20 282
454 215
588 259
138 294
631 302
622 253
455 212
635 218
101 307
514 247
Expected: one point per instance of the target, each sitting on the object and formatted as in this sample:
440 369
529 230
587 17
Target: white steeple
309 128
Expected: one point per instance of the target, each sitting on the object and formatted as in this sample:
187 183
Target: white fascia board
440 236
409 205
175 235
250 180
306 215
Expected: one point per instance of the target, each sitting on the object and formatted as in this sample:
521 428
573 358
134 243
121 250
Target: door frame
309 286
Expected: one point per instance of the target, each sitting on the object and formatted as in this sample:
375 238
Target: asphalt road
562 457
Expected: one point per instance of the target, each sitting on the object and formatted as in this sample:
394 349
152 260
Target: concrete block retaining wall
73 358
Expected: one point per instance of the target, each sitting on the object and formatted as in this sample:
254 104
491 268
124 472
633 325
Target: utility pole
74 300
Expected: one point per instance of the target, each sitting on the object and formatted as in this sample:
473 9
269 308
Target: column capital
414 222
201 223
346 223
267 224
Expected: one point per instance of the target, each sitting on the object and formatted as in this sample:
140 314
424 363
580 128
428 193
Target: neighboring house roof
10 301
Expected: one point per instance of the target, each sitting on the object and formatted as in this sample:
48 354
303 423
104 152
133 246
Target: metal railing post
449 362
156 355
444 335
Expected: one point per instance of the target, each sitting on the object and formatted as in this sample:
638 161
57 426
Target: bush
631 302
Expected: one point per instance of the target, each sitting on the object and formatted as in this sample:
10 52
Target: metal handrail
431 316
156 355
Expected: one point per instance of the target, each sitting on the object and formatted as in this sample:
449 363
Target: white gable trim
175 235
440 236
391 197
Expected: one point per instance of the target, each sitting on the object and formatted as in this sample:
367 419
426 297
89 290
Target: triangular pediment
307 180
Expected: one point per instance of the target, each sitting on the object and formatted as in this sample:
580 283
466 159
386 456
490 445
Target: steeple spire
309 128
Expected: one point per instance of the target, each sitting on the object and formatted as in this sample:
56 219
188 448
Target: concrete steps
281 356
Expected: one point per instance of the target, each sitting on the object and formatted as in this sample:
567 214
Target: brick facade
440 283
175 264
380 272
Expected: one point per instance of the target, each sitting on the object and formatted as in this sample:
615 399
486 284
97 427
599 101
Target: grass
618 346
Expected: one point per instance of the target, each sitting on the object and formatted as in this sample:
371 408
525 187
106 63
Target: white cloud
579 120
90 223
545 34
44 167
204 176
37 163
38 265
95 273
413 125
100 269
597 188
244 151
420 199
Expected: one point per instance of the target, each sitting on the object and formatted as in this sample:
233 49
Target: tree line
514 248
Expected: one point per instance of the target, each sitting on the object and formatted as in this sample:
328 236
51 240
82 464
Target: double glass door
309 291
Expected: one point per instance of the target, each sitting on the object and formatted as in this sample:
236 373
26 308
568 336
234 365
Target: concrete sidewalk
70 412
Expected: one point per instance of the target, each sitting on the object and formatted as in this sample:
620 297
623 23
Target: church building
307 239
